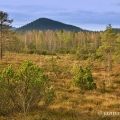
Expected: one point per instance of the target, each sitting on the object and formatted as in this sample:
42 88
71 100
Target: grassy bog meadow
70 102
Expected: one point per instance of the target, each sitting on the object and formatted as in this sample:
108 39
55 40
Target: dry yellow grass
70 103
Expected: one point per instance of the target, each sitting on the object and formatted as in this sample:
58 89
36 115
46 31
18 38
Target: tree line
82 44
104 45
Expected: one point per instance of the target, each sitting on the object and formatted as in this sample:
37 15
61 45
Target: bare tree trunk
109 68
110 56
1 44
105 67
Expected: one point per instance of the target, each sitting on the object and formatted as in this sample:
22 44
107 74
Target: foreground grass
70 103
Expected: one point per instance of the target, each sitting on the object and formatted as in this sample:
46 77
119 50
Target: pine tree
107 49
4 26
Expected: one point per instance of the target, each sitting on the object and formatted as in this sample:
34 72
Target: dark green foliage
48 24
24 89
84 79
117 30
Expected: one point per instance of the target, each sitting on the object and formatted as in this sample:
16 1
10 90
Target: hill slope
48 24
117 30
13 28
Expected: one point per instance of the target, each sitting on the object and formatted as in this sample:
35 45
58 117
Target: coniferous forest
59 74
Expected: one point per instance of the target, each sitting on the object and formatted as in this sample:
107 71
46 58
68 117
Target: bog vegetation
59 74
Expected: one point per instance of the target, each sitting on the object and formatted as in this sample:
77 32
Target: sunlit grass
70 102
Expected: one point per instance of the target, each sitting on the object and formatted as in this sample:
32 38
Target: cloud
25 14
117 4
89 17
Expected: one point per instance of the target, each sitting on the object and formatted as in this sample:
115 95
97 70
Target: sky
86 14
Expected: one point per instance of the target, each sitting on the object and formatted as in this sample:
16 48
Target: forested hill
117 30
48 24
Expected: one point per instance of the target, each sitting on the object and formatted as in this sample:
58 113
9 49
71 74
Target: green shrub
84 79
22 90
6 77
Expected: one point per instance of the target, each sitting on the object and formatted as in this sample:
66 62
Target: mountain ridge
48 24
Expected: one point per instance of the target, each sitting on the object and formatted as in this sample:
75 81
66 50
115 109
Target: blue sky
87 14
